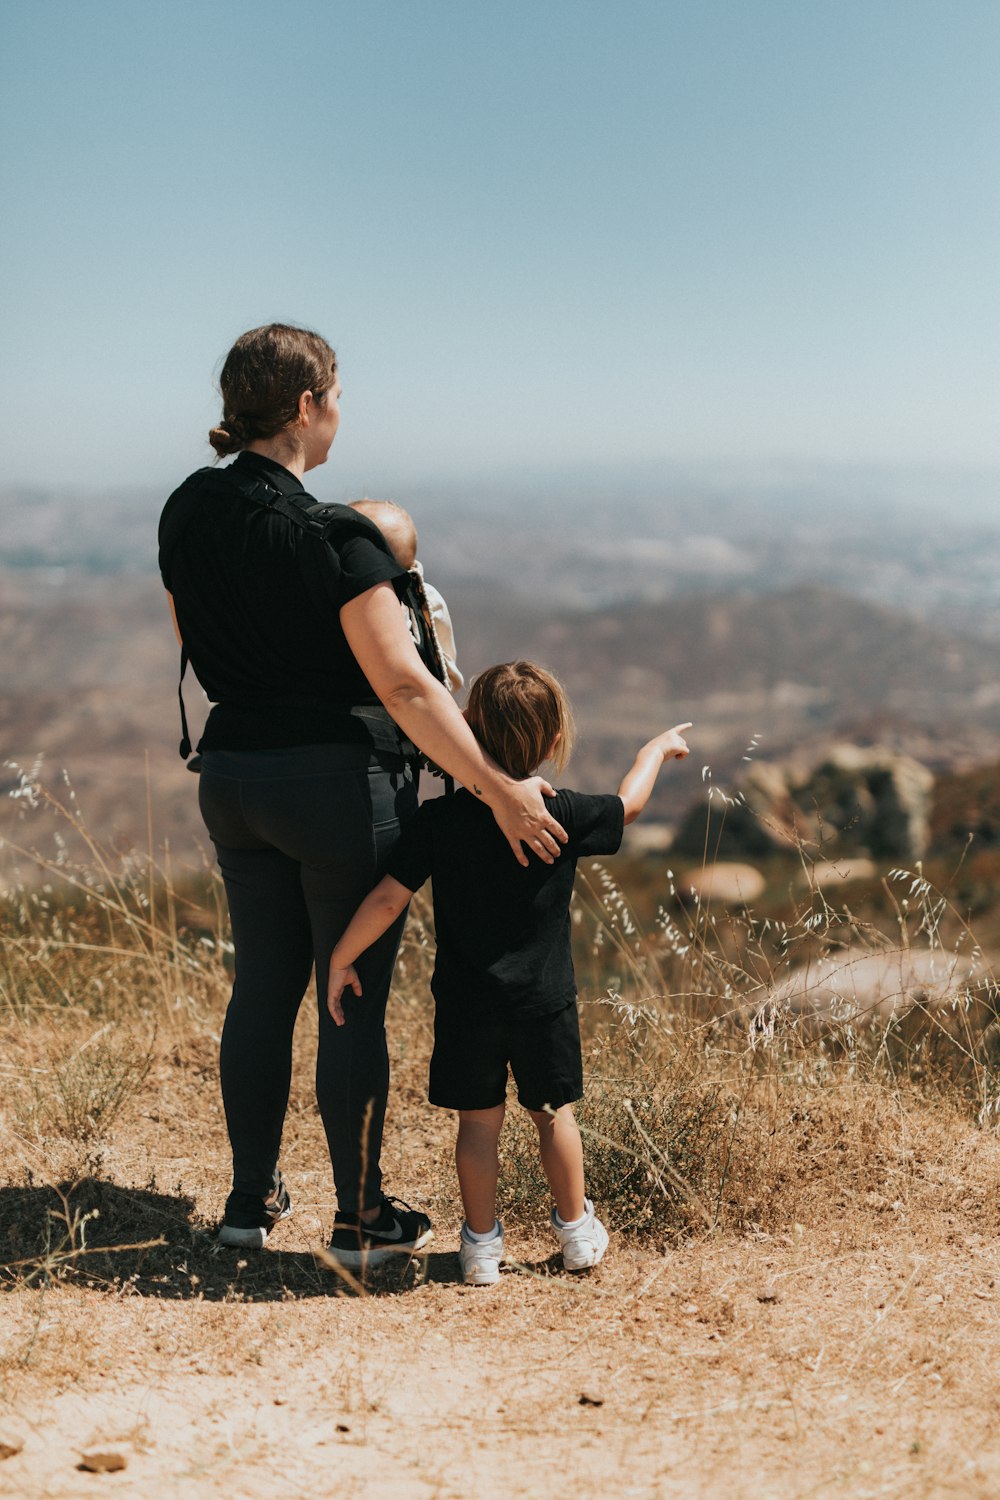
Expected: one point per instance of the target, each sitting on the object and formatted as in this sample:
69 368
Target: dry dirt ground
866 1372
853 1355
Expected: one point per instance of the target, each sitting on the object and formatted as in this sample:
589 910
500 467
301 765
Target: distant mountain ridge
90 680
835 655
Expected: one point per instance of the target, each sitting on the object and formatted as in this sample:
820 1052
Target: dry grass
800 1297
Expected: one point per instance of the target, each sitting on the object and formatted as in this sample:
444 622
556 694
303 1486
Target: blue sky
538 234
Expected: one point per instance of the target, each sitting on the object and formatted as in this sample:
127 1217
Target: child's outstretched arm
375 915
641 778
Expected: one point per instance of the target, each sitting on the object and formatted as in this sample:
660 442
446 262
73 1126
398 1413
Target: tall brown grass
714 1102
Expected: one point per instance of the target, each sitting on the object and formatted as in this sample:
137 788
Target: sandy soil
785 1366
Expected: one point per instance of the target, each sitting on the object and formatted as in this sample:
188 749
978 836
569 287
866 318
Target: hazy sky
535 232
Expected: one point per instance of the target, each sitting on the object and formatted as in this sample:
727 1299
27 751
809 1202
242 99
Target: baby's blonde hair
521 715
395 524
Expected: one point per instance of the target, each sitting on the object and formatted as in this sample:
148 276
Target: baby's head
521 716
395 524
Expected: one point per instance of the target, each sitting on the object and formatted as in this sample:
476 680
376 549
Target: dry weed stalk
71 1245
61 1254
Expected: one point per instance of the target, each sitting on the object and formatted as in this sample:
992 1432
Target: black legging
299 835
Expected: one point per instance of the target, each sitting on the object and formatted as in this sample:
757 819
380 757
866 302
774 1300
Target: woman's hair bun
224 440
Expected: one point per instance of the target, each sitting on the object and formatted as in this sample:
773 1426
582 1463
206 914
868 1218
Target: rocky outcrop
723 883
860 985
856 801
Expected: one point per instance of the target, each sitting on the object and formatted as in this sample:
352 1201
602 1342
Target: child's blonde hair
395 524
521 716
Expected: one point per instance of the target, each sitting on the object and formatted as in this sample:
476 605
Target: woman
307 770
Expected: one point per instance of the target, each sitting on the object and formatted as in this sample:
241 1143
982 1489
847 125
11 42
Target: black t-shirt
503 930
258 602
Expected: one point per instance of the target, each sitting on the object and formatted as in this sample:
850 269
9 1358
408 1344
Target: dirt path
790 1366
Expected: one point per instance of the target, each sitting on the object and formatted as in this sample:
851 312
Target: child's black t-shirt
503 930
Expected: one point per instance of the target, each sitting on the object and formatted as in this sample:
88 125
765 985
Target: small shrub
77 1092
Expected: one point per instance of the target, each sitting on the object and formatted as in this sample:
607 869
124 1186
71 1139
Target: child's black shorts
473 1047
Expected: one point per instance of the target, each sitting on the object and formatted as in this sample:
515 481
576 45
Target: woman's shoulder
177 513
181 502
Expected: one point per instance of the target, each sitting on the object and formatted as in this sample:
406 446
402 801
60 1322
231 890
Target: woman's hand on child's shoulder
340 980
519 808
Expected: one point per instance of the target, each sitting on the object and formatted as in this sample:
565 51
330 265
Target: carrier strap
185 744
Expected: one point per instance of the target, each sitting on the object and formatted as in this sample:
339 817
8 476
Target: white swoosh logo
384 1234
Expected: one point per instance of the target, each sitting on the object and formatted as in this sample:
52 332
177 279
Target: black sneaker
398 1229
249 1220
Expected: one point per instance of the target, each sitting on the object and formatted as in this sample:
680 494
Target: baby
396 525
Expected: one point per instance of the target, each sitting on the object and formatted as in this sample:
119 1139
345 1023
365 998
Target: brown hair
263 377
521 716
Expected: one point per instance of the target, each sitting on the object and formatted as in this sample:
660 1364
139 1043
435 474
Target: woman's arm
173 616
425 711
375 915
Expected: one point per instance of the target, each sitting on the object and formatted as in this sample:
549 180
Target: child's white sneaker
583 1242
481 1258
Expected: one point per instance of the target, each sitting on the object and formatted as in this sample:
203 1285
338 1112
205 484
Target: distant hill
794 667
90 680
811 642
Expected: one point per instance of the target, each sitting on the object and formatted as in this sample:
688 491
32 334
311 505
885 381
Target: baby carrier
328 524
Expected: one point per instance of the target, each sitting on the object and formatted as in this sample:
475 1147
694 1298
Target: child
503 976
396 525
